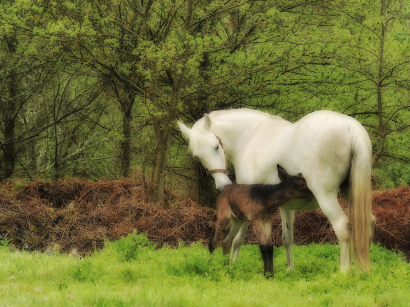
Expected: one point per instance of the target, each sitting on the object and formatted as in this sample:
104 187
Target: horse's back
319 146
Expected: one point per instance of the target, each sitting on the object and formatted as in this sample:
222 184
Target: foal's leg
264 232
330 206
237 242
221 224
287 217
227 243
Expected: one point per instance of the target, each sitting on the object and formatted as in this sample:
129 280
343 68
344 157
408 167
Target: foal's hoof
269 275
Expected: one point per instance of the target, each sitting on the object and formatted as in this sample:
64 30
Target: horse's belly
304 204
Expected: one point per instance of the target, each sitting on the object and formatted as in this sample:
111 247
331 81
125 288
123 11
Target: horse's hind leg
288 217
331 208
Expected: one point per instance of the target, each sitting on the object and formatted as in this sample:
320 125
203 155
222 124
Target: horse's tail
360 195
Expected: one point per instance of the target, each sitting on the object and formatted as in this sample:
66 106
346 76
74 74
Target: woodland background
94 88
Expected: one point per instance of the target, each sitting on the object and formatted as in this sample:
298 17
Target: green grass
130 272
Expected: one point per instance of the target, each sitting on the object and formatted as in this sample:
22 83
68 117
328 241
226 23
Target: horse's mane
244 113
238 121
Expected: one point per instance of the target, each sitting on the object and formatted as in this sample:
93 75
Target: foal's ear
184 129
283 175
208 122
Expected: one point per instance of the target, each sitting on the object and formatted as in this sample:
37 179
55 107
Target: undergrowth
132 272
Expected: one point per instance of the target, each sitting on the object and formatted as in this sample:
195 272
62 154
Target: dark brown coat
257 203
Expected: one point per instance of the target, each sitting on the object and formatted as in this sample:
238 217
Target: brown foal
258 203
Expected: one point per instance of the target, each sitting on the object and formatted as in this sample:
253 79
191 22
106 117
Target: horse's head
207 147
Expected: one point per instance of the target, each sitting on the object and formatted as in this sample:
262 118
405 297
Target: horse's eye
216 148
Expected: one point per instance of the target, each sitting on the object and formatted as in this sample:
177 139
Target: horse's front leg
287 217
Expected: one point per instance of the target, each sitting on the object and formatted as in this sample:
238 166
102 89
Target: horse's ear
283 175
184 129
208 122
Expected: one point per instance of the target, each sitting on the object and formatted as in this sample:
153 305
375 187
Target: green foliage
188 275
393 174
129 248
97 83
4 242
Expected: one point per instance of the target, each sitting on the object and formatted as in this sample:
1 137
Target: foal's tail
211 245
360 195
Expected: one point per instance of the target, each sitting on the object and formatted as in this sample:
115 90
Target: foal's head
208 149
296 186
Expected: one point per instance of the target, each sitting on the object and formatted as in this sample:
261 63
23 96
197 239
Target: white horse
329 149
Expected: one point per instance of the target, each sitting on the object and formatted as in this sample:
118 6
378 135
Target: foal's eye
216 148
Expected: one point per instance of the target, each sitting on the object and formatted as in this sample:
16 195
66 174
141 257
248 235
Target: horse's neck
239 130
233 137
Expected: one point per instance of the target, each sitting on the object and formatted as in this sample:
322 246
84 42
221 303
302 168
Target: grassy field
130 272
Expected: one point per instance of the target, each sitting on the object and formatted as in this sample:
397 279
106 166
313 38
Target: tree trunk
126 143
205 193
126 102
382 133
56 164
9 148
382 129
160 161
31 160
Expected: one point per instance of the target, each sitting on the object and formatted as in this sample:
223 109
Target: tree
152 53
25 69
373 45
